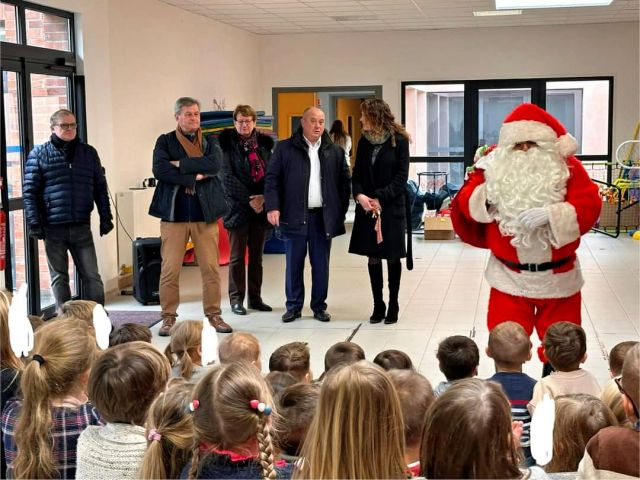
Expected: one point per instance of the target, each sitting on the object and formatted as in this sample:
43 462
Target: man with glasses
189 199
63 178
614 452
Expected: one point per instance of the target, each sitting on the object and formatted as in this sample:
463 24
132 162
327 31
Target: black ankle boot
395 272
379 308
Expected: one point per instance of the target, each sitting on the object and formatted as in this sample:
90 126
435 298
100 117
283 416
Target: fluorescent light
511 4
496 13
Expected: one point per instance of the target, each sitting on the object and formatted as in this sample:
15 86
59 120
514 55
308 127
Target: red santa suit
531 218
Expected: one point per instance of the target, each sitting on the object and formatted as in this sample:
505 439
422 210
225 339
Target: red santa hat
530 123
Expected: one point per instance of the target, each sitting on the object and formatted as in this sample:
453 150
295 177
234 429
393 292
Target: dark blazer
58 192
385 180
287 185
170 178
238 185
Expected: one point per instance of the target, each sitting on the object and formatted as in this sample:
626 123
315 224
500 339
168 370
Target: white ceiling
270 17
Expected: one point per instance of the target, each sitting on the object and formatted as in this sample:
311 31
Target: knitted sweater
114 451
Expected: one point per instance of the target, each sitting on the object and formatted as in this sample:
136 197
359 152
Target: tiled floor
445 294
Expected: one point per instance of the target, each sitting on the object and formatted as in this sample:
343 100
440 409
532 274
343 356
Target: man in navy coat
307 195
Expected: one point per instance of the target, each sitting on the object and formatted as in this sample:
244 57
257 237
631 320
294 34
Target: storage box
629 218
438 228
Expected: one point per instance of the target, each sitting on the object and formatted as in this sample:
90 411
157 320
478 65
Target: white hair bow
102 326
542 422
209 343
20 329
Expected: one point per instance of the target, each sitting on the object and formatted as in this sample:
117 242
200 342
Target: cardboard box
438 228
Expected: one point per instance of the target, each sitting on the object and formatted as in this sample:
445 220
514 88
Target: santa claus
529 200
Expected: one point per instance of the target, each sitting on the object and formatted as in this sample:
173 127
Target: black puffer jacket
58 192
238 185
287 185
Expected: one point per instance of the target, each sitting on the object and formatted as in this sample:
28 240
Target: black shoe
378 314
322 315
260 306
238 309
290 316
392 313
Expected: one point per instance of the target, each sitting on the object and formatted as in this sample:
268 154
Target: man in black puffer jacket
63 178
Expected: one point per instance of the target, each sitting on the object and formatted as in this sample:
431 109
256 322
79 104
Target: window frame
538 97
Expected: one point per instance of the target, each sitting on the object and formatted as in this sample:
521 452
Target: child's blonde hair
169 433
509 345
225 418
186 338
578 418
126 379
239 347
80 309
612 398
358 431
8 359
467 433
63 351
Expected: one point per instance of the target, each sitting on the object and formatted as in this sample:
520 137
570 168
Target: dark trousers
319 247
60 240
251 235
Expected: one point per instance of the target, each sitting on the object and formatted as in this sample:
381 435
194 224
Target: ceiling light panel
516 4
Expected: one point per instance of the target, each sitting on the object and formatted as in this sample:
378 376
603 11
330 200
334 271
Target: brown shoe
167 324
219 324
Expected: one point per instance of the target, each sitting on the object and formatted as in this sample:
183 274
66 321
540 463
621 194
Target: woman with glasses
246 154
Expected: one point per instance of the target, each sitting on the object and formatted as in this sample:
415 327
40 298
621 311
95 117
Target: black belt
536 267
315 210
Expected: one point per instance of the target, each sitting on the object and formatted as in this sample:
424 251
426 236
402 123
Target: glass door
493 100
30 95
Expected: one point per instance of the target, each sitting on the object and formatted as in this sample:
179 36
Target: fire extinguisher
3 237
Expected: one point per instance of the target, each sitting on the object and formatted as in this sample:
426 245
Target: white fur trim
563 221
478 205
567 145
525 131
534 255
533 284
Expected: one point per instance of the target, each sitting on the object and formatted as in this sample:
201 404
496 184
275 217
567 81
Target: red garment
529 297
532 313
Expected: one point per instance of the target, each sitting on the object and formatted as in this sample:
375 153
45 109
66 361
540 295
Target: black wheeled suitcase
147 263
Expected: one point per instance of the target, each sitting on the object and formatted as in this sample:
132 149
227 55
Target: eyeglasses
244 122
618 381
67 126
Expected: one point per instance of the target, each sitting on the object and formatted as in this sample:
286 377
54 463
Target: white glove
102 326
534 218
20 330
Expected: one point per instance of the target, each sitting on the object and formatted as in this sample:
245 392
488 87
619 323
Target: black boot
547 368
375 277
395 271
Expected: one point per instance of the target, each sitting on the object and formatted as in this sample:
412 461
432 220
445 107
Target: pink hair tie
260 407
193 406
154 435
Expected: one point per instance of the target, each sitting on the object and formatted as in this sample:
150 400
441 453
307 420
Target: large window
447 121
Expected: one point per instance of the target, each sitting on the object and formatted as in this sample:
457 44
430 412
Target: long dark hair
338 134
381 119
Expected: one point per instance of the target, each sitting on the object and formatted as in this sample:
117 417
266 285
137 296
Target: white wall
138 57
388 58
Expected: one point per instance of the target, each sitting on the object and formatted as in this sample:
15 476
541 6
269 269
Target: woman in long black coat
379 185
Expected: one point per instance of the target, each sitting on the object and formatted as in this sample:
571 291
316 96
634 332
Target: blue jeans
77 239
319 248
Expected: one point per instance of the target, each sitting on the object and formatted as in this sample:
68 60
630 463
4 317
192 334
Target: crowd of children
71 410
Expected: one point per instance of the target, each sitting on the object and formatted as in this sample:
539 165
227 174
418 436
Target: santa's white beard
517 181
